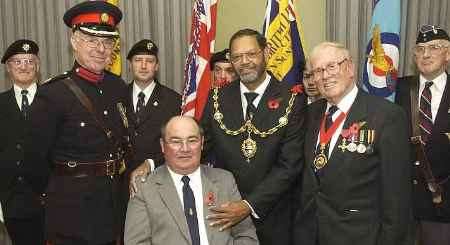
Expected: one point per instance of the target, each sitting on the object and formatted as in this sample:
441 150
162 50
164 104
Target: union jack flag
197 75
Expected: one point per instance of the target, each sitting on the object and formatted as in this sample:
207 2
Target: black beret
22 46
221 56
97 18
430 32
145 46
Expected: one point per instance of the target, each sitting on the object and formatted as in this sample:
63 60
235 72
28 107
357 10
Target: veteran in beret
426 99
81 128
222 70
22 181
151 105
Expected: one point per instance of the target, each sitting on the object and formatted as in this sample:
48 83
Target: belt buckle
110 168
72 164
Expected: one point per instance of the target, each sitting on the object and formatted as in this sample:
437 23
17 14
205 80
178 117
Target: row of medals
363 144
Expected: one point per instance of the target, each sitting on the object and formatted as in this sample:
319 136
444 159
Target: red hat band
94 18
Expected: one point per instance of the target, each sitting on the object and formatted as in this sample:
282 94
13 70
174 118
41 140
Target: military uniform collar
87 75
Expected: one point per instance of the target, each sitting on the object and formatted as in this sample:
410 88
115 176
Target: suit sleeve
243 233
395 174
286 169
137 224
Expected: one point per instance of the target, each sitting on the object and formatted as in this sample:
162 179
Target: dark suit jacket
437 151
19 173
357 198
163 104
266 180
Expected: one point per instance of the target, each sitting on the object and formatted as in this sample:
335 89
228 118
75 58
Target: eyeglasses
178 143
433 49
307 75
108 43
237 58
331 69
19 62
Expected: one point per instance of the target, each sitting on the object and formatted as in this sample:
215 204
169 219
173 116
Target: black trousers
26 231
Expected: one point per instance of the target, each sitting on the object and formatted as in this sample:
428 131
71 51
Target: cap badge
104 17
26 47
149 46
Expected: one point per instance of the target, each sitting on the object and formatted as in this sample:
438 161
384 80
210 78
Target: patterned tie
25 104
425 115
190 211
140 106
251 109
328 123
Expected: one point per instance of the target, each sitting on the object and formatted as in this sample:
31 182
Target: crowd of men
87 159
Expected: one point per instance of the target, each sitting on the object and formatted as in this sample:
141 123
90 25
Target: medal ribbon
325 136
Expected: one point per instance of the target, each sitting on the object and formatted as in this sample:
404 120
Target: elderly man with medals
355 186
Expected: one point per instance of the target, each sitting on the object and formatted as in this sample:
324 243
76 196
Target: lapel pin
155 103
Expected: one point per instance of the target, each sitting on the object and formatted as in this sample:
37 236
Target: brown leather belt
83 169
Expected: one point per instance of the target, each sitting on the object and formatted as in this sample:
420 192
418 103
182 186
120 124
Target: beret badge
26 47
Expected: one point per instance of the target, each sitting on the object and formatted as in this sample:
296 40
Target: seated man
172 204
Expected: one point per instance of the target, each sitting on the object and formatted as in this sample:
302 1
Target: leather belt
83 169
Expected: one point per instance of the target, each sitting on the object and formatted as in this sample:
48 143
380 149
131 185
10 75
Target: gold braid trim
248 125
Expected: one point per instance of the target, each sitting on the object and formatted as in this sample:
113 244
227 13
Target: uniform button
105 112
417 163
82 124
20 178
100 91
136 133
18 163
110 155
415 182
44 194
19 146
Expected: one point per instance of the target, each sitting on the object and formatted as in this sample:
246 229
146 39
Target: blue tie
190 211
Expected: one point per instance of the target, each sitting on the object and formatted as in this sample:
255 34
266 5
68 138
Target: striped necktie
425 115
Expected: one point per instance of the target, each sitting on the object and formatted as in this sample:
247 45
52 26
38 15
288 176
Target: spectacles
433 49
237 58
108 43
19 62
331 69
178 143
307 75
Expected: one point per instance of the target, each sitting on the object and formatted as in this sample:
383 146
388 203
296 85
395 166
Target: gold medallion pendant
320 161
249 148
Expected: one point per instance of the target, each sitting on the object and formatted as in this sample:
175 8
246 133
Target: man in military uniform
310 86
254 127
222 70
153 105
22 180
79 121
426 99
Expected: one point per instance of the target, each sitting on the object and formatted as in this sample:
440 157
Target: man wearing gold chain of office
254 128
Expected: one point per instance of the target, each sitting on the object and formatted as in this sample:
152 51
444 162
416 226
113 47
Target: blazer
266 180
163 104
19 172
155 215
437 151
357 198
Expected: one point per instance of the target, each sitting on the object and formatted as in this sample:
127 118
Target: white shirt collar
30 95
147 91
346 102
439 82
259 90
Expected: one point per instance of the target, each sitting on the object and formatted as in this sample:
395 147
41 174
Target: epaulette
57 77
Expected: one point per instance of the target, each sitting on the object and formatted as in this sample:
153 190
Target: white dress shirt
147 91
259 90
343 106
30 95
437 89
196 185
